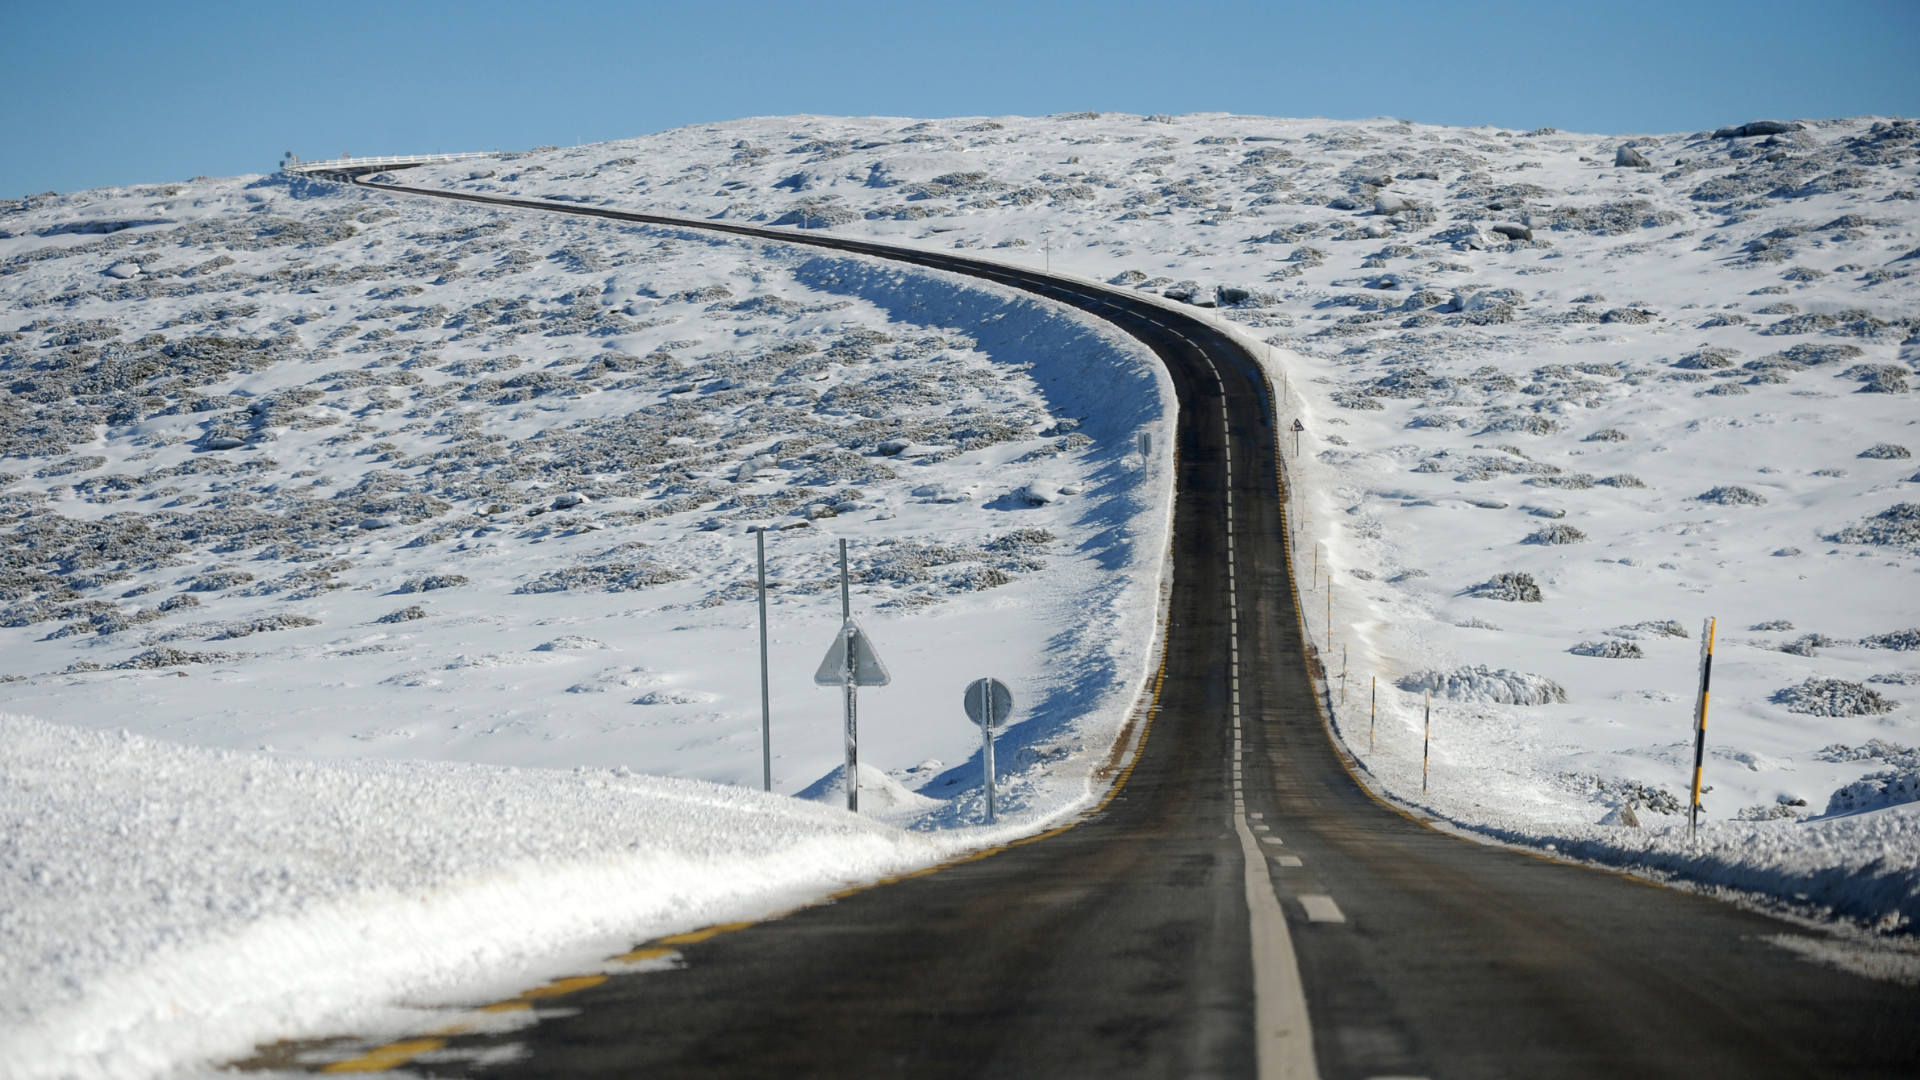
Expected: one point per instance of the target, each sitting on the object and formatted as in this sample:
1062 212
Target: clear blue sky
117 92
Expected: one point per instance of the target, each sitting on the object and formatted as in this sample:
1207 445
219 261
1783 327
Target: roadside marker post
851 663
988 702
1426 744
1373 713
1298 427
1343 674
1700 723
766 710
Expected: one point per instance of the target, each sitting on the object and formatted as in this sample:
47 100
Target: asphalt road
1125 946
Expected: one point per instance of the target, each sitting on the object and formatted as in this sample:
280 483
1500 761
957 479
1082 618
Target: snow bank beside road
161 905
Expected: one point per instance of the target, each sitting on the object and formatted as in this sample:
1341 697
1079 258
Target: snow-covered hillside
282 475
1663 377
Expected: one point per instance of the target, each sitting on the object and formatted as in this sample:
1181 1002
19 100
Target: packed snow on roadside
1566 397
168 904
316 481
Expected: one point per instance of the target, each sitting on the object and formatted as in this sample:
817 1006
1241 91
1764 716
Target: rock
1041 493
570 500
1757 127
1513 232
1393 204
222 441
893 447
1628 158
1343 203
124 270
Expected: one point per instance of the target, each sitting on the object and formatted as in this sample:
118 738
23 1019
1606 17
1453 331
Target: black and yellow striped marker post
1700 724
1373 713
1426 744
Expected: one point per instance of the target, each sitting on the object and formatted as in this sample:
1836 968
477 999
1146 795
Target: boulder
1757 127
1513 232
124 270
1393 204
1628 158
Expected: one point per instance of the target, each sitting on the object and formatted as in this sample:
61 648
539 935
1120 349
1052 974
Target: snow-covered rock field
311 473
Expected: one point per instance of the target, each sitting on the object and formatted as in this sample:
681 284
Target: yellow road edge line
382 1058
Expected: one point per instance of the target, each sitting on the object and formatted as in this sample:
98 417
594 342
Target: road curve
1125 946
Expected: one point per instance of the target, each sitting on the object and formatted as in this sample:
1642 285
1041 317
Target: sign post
851 663
988 702
766 710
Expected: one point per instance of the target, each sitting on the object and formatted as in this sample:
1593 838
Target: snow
166 904
1556 409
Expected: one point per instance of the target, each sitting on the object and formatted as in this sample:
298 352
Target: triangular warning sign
867 668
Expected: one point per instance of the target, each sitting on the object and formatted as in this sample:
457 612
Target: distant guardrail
362 166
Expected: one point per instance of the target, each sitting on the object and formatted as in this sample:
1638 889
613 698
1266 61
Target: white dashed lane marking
1321 908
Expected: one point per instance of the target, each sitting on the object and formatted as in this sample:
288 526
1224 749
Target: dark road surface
1125 946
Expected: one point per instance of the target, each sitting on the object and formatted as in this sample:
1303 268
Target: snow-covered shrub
1555 535
609 577
1900 757
405 614
1574 482
1896 526
1621 480
1651 628
1607 435
1875 791
1635 793
1609 650
1481 685
163 657
1512 586
1527 423
569 641
1903 640
1784 809
1833 697
1886 452
218 580
431 582
1732 495
243 627
1772 624
1476 624
1806 643
1707 359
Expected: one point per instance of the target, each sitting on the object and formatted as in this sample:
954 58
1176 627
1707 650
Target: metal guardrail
376 164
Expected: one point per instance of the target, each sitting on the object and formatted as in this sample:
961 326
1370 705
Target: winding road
1241 907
